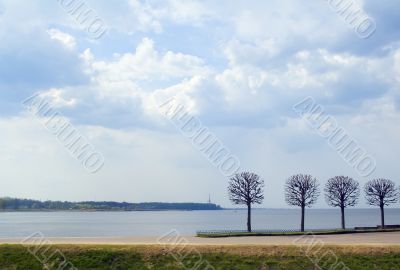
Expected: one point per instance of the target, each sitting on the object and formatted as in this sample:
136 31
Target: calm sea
107 224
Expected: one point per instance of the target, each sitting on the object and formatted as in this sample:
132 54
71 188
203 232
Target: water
108 224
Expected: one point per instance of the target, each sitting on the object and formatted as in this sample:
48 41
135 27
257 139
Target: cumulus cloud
146 63
121 90
65 39
245 92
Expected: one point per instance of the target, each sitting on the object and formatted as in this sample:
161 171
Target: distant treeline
12 204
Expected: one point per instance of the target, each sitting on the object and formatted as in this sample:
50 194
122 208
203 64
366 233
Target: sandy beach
375 239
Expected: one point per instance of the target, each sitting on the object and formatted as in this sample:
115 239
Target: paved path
387 238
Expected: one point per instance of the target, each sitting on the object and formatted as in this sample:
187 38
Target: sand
375 239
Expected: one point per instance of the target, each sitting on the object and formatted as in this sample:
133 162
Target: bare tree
342 191
381 192
246 188
301 190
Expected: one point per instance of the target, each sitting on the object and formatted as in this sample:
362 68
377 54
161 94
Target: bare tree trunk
302 218
249 217
382 217
343 222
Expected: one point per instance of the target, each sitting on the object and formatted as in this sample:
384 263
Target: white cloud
146 16
57 100
64 38
247 89
251 53
397 65
148 64
190 11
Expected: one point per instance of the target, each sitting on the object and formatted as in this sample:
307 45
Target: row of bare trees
303 190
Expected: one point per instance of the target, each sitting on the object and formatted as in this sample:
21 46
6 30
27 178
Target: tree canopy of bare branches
342 191
246 188
301 190
381 192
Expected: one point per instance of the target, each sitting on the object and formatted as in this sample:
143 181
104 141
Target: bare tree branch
246 188
301 190
342 191
381 192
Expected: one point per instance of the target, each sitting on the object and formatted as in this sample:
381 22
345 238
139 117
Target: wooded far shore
14 204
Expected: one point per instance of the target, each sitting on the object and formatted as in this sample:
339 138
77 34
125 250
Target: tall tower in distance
209 198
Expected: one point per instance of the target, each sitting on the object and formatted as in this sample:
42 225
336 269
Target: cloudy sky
238 66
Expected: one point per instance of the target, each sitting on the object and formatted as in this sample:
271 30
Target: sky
238 67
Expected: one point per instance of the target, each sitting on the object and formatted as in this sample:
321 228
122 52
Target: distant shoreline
27 205
106 210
